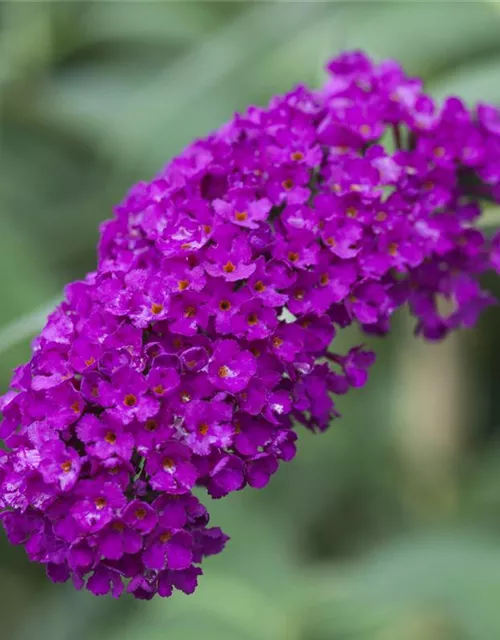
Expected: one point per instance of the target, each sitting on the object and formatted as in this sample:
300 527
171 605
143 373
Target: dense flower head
201 343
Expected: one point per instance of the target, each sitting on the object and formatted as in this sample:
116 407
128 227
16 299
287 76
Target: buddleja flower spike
200 344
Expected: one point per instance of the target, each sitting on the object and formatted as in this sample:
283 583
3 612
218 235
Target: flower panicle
201 343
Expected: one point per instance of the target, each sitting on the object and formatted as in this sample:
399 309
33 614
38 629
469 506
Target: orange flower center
66 466
168 464
229 267
110 437
203 428
151 425
156 308
223 371
224 305
130 400
100 503
240 216
393 249
253 319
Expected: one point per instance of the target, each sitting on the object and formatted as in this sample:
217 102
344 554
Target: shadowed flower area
300 195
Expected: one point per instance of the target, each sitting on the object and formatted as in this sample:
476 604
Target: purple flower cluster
202 340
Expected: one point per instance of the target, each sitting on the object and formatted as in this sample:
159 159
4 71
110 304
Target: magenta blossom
206 337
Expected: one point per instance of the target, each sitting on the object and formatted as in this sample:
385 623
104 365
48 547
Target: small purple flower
355 365
128 397
367 302
169 550
254 321
162 381
225 307
150 300
260 469
189 314
97 504
243 209
225 477
116 539
231 260
300 252
140 516
84 354
343 238
104 580
105 437
208 425
185 580
267 279
150 433
59 465
61 406
230 368
194 359
170 469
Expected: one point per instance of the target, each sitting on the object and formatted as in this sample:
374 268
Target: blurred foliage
381 531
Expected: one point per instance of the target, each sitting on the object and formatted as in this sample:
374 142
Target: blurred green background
388 526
